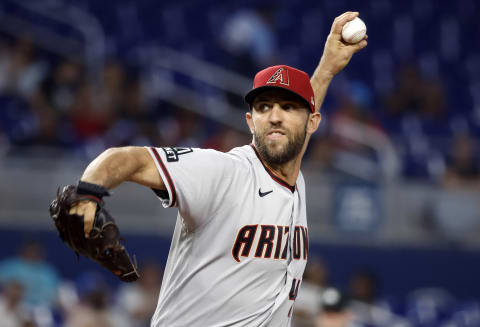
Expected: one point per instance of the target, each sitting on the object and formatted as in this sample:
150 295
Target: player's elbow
110 152
125 152
126 160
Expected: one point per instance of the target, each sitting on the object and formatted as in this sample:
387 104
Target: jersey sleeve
197 180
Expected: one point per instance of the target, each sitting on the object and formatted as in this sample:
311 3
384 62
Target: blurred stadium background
393 175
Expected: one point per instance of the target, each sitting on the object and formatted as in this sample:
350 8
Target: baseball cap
283 77
333 300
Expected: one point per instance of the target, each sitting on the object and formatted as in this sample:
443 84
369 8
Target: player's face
279 122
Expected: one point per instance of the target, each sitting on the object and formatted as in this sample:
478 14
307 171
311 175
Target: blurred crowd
362 303
33 293
399 119
53 102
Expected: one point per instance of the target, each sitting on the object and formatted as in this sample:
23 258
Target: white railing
359 133
196 68
162 63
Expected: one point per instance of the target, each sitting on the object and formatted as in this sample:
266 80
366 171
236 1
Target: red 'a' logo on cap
280 76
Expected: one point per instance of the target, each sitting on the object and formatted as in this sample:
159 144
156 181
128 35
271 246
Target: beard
277 157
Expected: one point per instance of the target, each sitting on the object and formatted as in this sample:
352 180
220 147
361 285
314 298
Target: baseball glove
103 245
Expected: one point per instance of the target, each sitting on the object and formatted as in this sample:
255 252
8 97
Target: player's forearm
113 166
320 81
336 55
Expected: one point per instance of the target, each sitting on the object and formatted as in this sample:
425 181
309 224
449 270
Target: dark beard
288 153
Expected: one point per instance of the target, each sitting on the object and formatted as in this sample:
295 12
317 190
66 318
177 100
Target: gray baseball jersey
240 243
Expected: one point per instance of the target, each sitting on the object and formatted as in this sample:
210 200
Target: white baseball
354 31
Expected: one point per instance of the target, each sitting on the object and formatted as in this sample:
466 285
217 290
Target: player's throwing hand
337 53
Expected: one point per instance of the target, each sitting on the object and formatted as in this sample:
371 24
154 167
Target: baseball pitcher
241 238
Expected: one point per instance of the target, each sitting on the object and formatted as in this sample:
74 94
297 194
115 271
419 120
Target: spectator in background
12 312
249 38
57 91
38 279
53 100
416 95
137 301
354 111
20 70
88 123
322 152
366 305
354 101
134 123
109 94
21 73
3 141
463 165
95 108
334 310
363 286
189 130
458 198
92 309
225 140
354 138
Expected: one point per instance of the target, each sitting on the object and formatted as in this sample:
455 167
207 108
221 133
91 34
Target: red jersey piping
167 175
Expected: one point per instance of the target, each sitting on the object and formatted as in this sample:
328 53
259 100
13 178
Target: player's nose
276 114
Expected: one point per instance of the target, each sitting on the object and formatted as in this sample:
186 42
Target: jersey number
293 293
294 289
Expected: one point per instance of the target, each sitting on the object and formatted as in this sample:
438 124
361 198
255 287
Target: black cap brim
250 96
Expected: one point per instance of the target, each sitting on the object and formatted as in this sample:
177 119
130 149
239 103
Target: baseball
354 31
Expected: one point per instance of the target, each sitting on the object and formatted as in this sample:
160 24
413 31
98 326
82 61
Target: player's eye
263 106
288 106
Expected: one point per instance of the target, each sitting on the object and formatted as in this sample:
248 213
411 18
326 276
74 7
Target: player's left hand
337 53
103 244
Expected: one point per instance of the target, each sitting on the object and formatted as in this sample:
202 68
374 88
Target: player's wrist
87 188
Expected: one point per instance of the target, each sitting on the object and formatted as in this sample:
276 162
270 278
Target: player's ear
248 118
314 120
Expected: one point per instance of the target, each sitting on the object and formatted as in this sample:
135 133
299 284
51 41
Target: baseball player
241 239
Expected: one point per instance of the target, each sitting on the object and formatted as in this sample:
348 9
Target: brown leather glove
103 244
